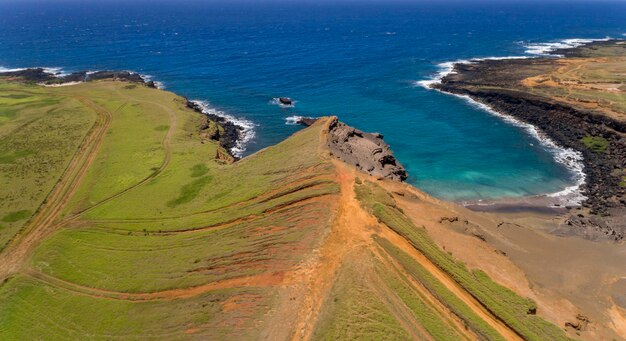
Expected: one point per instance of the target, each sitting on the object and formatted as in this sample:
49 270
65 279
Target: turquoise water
359 61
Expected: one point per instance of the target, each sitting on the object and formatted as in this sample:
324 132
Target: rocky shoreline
44 77
494 83
227 137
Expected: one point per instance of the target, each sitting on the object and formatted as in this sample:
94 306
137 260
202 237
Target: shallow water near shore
357 61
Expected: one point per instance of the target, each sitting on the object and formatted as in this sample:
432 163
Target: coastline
573 160
563 125
238 132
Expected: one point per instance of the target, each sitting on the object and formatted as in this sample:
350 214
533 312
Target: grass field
154 213
39 133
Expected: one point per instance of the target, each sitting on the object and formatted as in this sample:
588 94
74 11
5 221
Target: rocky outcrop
366 151
227 136
306 121
285 101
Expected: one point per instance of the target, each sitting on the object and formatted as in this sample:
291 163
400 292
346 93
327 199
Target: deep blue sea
357 60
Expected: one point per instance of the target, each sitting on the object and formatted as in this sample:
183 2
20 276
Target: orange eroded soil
352 229
260 280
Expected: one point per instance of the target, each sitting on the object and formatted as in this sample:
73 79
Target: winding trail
260 280
166 160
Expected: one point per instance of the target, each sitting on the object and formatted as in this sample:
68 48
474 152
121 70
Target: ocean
362 61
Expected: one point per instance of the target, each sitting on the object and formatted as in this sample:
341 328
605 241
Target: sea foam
570 158
149 78
547 49
293 120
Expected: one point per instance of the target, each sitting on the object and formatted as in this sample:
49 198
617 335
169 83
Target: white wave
293 120
246 135
570 158
276 101
546 49
149 78
3 69
447 68
56 85
55 71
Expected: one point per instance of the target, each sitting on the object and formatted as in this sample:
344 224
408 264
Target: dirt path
353 228
260 280
350 230
42 223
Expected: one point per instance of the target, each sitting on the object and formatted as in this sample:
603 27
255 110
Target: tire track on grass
260 280
41 224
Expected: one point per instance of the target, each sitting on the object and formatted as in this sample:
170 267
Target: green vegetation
14 216
437 326
154 211
33 310
517 312
596 143
455 304
199 170
190 191
354 311
146 233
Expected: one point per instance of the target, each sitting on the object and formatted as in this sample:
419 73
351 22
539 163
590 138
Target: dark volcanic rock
39 75
285 100
366 151
306 121
32 75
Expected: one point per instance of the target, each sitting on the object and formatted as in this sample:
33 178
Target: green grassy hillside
120 220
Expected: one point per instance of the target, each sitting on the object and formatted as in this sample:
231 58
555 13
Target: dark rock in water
366 151
306 121
285 100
